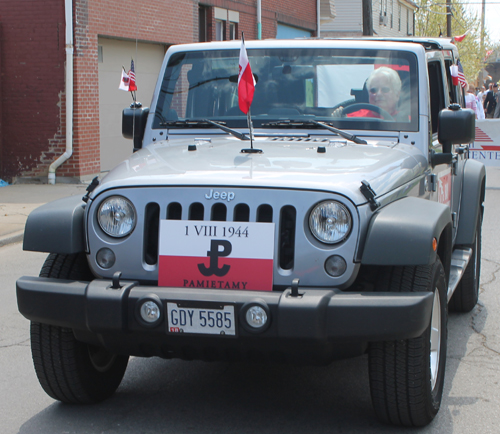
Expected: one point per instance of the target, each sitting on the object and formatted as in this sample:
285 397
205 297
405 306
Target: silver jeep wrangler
326 225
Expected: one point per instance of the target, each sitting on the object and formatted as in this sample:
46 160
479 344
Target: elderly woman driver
384 87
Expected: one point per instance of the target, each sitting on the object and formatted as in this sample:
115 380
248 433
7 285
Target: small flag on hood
131 74
124 82
246 80
127 83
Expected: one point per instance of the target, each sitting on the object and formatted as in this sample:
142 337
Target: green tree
430 20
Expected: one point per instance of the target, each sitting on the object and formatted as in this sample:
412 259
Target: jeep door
443 183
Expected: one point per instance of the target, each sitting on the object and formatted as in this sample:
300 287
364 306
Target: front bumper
317 321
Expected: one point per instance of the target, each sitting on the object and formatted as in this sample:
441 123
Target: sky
492 21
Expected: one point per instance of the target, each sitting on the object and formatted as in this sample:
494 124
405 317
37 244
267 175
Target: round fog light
105 258
256 317
150 312
335 266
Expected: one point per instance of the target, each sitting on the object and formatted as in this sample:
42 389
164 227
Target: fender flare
56 227
471 205
401 233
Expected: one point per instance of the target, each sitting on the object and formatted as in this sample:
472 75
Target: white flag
124 82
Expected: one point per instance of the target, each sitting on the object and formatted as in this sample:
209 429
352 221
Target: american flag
132 86
461 76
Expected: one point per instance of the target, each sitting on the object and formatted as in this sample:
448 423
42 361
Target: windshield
351 89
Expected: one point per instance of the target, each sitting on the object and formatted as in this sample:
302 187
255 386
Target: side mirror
134 121
456 126
444 158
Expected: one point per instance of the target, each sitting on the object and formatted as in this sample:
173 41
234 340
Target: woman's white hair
392 75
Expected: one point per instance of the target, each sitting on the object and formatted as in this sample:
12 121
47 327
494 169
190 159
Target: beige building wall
113 54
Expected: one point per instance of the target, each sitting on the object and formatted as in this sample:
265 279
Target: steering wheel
366 106
344 104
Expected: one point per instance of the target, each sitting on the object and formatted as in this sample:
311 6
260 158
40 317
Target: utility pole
448 18
368 18
483 13
481 45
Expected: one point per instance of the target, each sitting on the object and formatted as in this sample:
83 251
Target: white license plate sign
216 255
201 320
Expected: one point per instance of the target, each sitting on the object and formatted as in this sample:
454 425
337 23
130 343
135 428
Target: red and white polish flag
454 74
124 82
246 81
216 255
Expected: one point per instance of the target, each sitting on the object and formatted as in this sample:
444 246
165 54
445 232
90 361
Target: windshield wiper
294 123
341 133
235 133
183 123
197 123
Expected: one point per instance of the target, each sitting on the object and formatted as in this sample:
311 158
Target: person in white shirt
470 100
480 109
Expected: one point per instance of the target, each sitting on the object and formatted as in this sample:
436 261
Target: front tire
69 370
407 376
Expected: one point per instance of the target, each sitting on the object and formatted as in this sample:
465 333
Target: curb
12 238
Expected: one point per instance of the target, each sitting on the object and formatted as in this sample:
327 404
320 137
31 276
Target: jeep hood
284 163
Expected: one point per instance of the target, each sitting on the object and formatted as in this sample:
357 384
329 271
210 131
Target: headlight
116 216
330 222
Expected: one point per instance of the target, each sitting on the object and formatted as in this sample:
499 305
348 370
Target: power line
463 4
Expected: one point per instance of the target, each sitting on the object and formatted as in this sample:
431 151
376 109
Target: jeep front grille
297 252
241 212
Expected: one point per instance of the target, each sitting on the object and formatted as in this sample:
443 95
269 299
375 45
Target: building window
383 12
220 16
233 18
392 13
399 17
233 31
203 23
220 30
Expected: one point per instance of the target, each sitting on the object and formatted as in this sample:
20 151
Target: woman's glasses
375 90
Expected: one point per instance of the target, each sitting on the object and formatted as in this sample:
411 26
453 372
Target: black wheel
467 292
407 376
69 370
363 105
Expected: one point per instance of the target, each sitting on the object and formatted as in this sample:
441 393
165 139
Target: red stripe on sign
481 136
486 148
243 273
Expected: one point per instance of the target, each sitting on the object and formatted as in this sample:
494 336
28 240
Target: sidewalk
17 201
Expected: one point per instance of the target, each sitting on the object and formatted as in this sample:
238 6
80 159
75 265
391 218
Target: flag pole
250 128
246 88
249 116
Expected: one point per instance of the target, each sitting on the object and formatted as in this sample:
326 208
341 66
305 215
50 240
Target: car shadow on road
174 396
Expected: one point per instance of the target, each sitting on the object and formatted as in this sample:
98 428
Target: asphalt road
196 397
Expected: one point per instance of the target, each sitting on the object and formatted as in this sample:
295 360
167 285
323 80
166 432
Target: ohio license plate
201 320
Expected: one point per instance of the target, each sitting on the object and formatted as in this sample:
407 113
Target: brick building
106 35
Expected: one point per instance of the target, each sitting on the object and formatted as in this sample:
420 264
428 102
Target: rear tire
407 376
69 370
466 295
